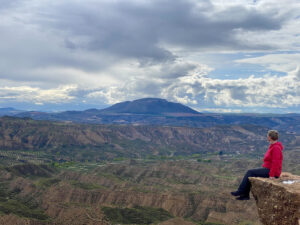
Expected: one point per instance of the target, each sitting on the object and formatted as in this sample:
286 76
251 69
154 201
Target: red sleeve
276 161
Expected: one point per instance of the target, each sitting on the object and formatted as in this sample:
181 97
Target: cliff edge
278 200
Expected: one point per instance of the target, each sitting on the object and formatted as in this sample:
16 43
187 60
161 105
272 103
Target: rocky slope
278 201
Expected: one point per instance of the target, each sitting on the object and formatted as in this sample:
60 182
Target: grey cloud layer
140 29
92 35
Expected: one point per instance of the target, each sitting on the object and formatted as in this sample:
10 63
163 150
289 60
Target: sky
211 55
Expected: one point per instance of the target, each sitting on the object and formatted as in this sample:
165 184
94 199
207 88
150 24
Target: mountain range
155 111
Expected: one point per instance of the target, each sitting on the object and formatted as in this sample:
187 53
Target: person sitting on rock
271 167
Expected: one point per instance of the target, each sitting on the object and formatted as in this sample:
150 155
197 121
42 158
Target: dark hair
273 134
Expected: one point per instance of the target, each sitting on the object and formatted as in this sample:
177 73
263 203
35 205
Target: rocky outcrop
278 200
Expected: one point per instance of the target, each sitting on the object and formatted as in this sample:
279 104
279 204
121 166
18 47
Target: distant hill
149 106
6 109
9 111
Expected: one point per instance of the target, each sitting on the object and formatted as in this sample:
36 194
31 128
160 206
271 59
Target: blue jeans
245 184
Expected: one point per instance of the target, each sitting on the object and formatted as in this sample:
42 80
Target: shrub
16 207
86 186
136 215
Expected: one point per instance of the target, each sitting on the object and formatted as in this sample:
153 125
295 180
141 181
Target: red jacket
273 159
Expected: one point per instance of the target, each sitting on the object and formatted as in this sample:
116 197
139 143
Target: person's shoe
236 193
243 197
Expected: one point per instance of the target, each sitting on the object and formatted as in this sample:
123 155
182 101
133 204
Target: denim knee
249 173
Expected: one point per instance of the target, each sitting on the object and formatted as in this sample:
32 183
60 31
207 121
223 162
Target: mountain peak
149 106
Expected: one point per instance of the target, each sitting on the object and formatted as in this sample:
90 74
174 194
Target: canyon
61 172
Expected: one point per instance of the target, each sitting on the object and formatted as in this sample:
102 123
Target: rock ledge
278 201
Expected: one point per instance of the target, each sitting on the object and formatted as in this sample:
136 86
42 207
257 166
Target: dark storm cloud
141 29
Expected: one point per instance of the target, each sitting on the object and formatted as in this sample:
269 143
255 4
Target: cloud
30 55
93 36
219 110
143 30
195 87
277 62
151 80
7 4
36 95
268 91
